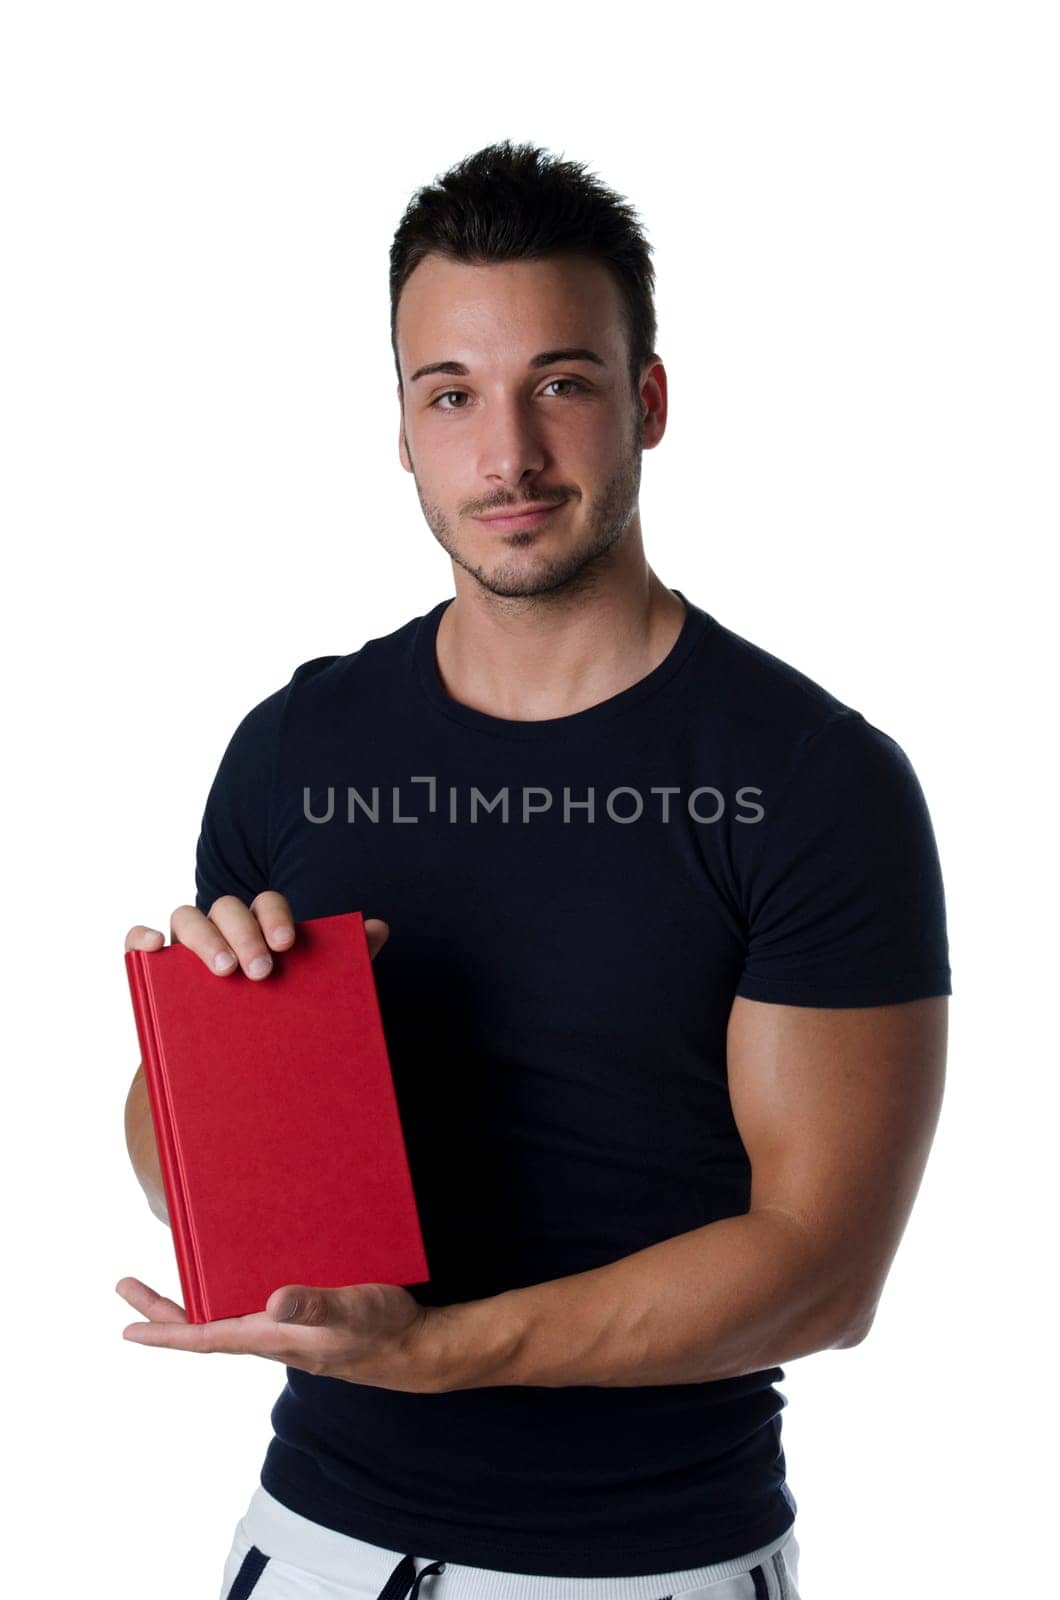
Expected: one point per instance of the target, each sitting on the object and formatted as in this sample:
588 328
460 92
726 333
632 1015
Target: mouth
516 521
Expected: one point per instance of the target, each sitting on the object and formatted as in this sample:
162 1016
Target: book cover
277 1122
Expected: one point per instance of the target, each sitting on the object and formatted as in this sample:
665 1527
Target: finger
358 1308
309 1307
190 926
377 934
229 936
248 931
144 938
153 1305
274 915
290 1305
236 923
252 1335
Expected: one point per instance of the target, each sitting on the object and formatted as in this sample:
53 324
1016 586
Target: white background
853 214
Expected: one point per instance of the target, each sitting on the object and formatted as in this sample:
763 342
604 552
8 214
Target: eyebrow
547 358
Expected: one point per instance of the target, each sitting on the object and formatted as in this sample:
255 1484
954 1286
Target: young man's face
503 433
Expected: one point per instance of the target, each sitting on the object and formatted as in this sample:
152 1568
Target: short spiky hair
518 203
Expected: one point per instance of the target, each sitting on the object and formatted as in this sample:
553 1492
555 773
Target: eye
451 394
573 381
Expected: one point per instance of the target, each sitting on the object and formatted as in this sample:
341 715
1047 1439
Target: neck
540 656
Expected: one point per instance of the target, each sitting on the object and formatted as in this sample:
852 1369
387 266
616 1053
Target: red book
277 1123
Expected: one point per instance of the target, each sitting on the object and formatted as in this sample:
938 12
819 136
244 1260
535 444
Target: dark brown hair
518 203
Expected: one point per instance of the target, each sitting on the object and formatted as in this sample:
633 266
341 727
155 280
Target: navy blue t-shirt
573 905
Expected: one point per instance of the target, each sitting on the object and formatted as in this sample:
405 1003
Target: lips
512 522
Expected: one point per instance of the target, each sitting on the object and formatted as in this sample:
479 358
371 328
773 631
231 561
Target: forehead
474 311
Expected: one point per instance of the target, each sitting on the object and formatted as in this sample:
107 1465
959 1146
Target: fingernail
259 966
223 960
284 932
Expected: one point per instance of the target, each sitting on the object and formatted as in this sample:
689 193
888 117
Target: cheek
446 457
577 446
600 447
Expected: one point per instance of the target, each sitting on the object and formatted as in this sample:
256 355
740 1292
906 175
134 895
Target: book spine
165 1135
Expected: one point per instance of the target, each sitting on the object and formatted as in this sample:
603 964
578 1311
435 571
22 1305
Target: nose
510 445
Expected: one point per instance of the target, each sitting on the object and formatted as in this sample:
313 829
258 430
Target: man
660 945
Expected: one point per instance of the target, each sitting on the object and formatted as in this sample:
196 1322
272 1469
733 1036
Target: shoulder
769 723
319 685
371 668
762 696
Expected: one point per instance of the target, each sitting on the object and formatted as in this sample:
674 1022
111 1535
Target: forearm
143 1148
734 1297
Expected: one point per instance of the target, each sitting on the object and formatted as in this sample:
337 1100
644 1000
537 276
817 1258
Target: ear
653 399
403 449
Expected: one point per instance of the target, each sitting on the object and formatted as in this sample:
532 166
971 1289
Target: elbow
854 1324
852 1335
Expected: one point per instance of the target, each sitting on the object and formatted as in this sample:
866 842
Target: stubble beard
570 573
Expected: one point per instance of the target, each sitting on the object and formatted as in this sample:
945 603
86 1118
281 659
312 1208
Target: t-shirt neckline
693 626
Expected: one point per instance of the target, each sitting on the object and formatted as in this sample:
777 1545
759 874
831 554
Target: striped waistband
285 1535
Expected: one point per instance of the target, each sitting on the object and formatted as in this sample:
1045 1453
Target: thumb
298 1304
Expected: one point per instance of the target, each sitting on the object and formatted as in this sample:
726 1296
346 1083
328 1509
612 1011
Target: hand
372 1333
244 935
234 935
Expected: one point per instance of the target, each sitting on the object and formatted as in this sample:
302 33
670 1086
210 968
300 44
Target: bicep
837 1109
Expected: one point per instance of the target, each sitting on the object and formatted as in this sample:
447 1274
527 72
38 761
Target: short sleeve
846 905
232 855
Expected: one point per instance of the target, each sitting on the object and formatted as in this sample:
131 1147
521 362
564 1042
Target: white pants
279 1555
